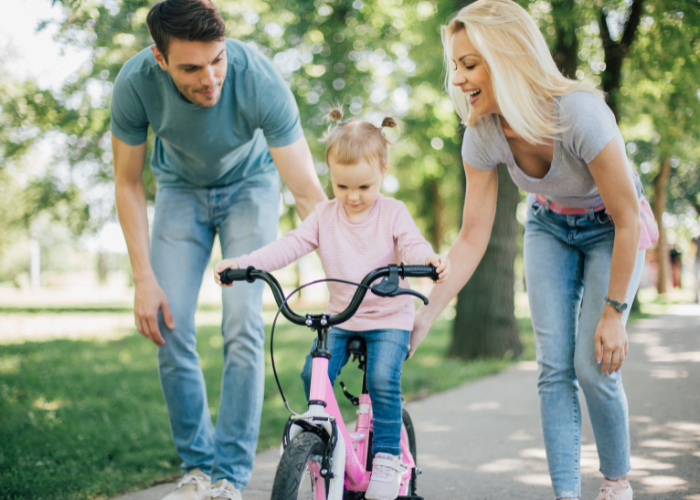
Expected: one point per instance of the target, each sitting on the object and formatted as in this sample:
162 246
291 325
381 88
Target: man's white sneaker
223 490
193 486
386 477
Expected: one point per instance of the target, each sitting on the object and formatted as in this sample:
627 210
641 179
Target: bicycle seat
357 346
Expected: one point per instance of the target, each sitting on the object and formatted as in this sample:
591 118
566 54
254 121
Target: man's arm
296 167
131 207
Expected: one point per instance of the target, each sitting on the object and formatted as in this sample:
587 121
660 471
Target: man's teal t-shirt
207 147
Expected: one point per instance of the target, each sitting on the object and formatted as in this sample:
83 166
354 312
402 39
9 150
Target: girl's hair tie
336 115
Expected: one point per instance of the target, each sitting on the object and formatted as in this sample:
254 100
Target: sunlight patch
669 374
485 405
535 479
520 436
42 404
649 464
663 443
9 364
503 465
664 483
534 453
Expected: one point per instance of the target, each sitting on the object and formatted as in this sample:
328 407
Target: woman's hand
221 267
442 265
610 339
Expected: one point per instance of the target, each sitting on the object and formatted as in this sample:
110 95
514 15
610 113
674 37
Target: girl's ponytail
389 122
336 114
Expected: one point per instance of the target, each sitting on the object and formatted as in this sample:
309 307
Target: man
224 124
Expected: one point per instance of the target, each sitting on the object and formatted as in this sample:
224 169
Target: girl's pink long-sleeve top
349 250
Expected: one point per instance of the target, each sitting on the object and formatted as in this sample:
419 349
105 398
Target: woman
561 144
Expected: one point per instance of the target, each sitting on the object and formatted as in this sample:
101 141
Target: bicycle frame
350 453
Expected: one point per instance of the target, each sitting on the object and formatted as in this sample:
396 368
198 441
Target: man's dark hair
190 20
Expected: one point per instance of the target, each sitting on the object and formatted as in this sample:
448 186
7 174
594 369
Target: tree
659 98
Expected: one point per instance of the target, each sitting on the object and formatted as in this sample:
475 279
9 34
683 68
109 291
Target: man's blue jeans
186 221
567 272
386 352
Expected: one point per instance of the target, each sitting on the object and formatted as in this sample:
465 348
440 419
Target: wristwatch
619 306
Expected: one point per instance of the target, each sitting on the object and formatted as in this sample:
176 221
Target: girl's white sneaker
385 481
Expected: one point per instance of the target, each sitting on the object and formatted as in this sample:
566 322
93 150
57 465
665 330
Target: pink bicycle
321 459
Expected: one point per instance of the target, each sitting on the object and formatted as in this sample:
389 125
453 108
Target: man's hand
442 265
148 299
221 267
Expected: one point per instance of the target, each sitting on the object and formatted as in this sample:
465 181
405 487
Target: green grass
86 419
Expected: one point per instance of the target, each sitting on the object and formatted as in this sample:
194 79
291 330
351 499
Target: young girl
360 230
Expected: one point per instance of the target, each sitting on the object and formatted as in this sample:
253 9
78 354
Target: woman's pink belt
561 209
650 230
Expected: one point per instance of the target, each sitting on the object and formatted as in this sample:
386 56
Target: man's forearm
305 203
296 167
131 207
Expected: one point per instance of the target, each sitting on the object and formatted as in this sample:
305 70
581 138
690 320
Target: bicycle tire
294 479
410 434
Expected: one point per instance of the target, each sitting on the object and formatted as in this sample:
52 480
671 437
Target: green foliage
661 99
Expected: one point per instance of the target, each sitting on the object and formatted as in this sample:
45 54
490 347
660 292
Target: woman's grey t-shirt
591 126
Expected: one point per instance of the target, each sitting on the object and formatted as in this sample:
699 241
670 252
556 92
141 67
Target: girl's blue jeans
567 272
245 215
386 352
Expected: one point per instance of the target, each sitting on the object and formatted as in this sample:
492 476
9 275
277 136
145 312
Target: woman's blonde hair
524 76
353 141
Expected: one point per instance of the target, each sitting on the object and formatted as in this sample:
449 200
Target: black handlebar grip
421 272
230 275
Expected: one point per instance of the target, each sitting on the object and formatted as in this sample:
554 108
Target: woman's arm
612 176
467 250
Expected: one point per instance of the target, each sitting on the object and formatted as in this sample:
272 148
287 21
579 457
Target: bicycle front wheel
298 474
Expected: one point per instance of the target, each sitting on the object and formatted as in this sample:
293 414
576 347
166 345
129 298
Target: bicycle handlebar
251 274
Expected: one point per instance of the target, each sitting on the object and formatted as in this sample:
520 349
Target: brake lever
408 291
389 286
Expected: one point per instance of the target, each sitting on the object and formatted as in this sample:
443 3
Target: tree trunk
663 276
565 51
485 324
615 52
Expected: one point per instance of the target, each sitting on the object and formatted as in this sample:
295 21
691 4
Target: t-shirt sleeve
128 119
284 251
593 124
475 146
278 113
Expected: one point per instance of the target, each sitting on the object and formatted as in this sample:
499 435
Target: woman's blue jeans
386 352
567 272
185 223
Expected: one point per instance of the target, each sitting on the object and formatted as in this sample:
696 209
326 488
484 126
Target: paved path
482 441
